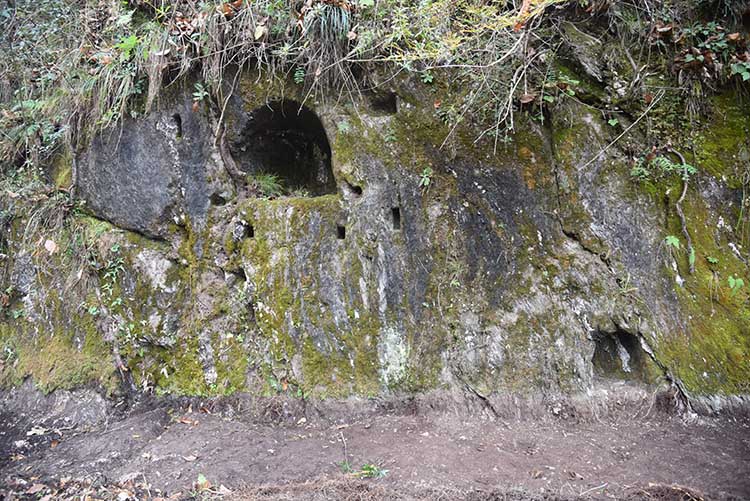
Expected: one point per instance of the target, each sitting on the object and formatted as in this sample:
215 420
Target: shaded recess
619 355
288 140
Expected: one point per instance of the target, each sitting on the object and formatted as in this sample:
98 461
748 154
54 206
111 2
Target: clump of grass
266 185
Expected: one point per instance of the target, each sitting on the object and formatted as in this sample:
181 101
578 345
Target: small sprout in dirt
16 314
613 122
370 470
427 77
93 311
735 284
202 483
712 260
425 179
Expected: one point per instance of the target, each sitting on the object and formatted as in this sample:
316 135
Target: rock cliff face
395 260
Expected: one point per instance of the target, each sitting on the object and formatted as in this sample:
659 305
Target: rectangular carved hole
341 232
177 120
250 231
396 218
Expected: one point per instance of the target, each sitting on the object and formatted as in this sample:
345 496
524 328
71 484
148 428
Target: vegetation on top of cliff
72 68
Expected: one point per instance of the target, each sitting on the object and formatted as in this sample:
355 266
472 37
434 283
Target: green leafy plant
127 46
370 470
735 284
299 75
425 178
672 241
200 93
742 69
654 167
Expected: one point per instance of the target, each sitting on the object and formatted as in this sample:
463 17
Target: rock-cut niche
288 140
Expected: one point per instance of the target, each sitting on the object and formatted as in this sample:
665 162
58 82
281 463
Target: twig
603 150
605 484
678 208
346 454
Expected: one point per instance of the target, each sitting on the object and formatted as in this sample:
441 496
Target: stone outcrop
395 261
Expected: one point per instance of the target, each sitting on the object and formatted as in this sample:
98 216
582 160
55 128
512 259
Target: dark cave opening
287 140
386 103
396 218
619 355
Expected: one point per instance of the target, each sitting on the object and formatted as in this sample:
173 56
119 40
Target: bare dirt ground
295 450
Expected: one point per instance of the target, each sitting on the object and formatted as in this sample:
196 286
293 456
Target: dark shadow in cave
288 140
619 355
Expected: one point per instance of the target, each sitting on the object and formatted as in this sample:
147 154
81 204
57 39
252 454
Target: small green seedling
672 241
735 284
425 179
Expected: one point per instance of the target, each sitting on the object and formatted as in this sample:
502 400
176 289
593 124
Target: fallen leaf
527 98
36 488
648 98
352 35
260 31
537 474
189 458
54 444
36 430
733 37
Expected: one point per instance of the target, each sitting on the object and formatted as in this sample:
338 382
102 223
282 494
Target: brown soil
296 452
